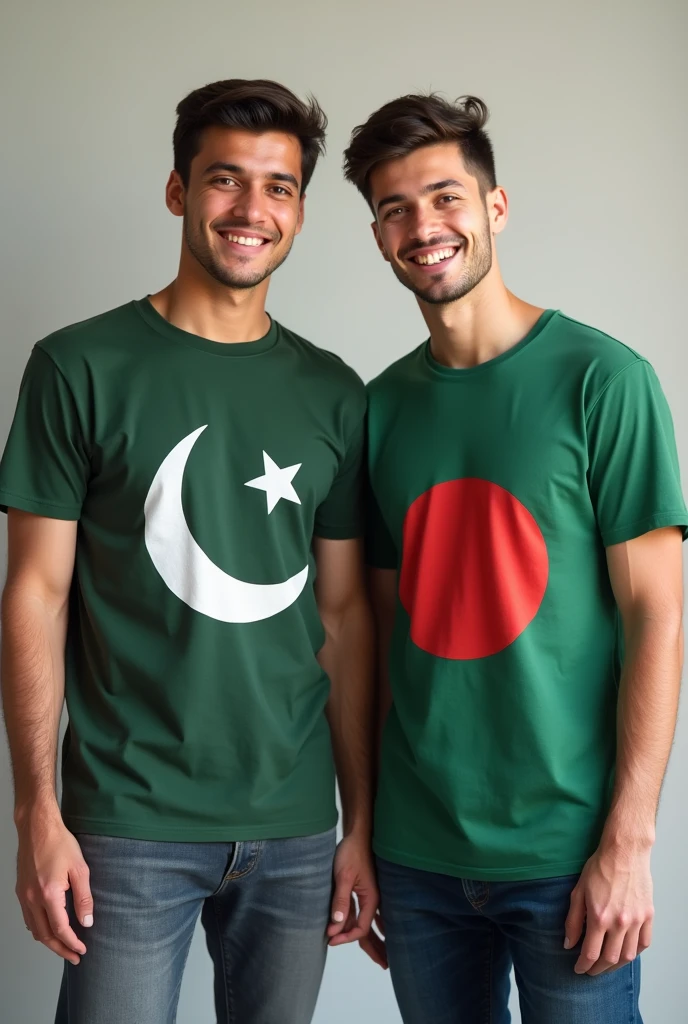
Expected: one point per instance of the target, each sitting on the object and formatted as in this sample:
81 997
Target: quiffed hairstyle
257 105
407 123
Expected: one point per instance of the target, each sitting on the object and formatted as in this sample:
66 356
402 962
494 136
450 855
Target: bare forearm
33 638
648 704
347 657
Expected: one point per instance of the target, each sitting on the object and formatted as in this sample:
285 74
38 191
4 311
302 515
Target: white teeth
435 257
244 241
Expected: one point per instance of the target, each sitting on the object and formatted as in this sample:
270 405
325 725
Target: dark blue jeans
264 905
451 944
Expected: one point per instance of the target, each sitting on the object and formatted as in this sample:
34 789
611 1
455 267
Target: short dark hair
416 120
257 105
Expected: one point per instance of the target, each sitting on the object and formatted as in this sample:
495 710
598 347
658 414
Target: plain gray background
588 120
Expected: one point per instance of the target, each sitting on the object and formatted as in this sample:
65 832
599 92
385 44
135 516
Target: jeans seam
229 996
479 904
175 1002
490 963
633 1019
225 875
232 876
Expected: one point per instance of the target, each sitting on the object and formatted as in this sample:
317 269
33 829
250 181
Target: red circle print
474 569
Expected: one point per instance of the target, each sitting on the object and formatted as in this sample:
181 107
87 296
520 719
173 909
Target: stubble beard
203 252
472 274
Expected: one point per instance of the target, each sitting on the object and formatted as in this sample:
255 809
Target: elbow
20 597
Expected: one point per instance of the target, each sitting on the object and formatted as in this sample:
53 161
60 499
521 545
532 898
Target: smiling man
178 470
526 518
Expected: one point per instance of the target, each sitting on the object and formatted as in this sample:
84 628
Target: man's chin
438 294
441 291
243 281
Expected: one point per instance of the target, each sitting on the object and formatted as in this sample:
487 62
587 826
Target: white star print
277 483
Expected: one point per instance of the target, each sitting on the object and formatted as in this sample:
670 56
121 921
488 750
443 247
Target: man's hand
353 875
48 864
613 898
374 944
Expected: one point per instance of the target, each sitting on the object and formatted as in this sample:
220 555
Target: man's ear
174 194
497 203
378 239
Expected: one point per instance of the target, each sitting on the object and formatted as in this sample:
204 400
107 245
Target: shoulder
399 375
595 361
592 348
68 346
326 368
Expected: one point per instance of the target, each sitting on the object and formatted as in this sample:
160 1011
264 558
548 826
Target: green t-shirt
495 490
199 473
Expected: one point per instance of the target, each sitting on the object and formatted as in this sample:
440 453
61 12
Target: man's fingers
42 932
342 935
26 914
55 905
367 909
353 934
342 907
610 955
592 948
629 949
375 948
645 936
343 932
573 929
81 894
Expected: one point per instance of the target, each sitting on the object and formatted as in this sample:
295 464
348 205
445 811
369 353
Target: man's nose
248 205
425 225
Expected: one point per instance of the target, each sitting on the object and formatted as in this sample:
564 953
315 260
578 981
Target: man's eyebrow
396 198
219 165
282 176
436 186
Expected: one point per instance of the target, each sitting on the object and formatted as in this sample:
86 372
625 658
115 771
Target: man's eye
451 198
395 211
280 190
224 181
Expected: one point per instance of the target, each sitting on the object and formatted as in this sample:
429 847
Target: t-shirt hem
382 563
180 834
636 529
481 874
338 532
42 508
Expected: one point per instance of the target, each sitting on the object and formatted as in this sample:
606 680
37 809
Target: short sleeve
45 466
339 516
633 470
381 552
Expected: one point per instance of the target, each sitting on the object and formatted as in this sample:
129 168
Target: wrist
621 842
42 808
359 830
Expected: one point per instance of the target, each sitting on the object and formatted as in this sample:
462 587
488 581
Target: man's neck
480 326
198 304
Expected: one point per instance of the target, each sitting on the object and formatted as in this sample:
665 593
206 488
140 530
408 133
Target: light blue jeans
264 905
451 943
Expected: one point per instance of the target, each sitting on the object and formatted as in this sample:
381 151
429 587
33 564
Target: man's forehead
437 162
241 147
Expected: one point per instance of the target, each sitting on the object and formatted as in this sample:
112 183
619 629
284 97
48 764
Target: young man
527 513
177 471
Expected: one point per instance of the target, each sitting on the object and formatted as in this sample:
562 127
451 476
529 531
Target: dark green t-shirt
199 473
495 491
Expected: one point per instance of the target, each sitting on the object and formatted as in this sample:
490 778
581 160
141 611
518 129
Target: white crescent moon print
185 567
